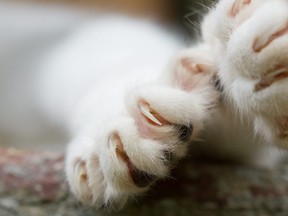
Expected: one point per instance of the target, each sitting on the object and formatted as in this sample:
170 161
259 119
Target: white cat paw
126 154
255 70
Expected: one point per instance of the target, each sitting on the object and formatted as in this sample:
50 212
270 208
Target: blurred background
30 28
186 13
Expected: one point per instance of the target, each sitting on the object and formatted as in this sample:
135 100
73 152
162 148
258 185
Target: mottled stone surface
33 183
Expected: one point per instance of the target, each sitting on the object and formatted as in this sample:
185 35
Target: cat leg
255 71
121 155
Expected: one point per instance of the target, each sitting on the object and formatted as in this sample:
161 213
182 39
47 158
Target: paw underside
255 68
160 120
143 143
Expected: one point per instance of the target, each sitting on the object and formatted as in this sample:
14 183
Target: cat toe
224 18
192 69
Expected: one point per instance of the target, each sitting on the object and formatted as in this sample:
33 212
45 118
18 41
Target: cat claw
237 6
140 178
192 67
152 116
279 73
262 42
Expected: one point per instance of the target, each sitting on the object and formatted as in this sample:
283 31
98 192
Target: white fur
87 97
94 85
